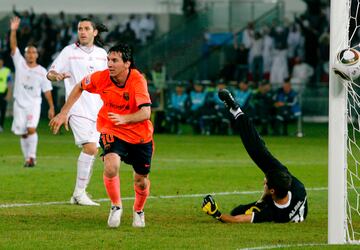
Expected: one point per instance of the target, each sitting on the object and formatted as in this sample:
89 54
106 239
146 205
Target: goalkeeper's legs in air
279 187
250 137
259 154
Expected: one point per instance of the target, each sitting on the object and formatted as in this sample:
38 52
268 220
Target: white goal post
344 123
337 190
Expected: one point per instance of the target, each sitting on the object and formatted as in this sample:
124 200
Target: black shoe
229 101
30 163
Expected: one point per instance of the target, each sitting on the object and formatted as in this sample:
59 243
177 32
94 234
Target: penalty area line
150 197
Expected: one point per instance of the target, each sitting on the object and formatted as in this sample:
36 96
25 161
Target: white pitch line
150 197
284 246
186 160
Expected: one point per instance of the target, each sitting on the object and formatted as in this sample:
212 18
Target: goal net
344 124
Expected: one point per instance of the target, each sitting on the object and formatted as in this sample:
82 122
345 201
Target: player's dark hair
99 27
280 181
126 53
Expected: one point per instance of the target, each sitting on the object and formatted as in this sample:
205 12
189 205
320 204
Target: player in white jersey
72 64
30 80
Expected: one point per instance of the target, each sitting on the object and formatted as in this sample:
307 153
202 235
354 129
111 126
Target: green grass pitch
183 169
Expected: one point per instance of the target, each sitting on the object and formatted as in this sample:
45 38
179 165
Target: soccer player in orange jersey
125 127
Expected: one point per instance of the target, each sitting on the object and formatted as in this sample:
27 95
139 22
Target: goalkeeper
284 198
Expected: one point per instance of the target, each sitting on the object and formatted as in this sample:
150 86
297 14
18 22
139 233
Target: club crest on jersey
126 96
87 79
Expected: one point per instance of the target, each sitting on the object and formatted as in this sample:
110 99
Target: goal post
337 149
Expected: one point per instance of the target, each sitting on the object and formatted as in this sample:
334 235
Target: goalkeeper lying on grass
284 198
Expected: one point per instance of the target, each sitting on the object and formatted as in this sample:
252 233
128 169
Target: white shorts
84 130
25 118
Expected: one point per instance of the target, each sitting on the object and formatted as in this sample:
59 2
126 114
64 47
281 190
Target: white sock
84 169
236 112
33 142
24 147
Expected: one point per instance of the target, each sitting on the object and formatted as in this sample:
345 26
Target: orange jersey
122 100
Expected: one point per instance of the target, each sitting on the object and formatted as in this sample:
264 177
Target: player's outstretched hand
57 121
210 207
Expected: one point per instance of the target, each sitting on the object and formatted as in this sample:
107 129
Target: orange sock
140 197
112 186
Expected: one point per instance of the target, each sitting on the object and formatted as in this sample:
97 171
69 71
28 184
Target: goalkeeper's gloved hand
210 207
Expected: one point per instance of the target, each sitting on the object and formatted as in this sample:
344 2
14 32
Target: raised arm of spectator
14 25
15 12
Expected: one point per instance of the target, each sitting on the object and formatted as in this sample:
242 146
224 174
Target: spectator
147 28
324 48
301 73
27 18
158 76
311 42
5 91
279 68
128 35
295 42
134 25
189 7
256 58
243 96
248 36
286 106
241 60
110 22
197 100
263 107
267 52
176 109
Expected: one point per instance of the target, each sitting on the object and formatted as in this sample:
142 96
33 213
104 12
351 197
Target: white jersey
80 62
29 82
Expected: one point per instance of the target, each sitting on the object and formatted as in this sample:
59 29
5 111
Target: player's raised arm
14 25
62 117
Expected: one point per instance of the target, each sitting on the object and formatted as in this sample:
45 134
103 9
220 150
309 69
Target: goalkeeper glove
210 207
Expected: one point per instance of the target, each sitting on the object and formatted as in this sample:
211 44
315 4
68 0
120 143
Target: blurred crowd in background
266 69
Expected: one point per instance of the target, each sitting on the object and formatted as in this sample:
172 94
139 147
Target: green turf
182 166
